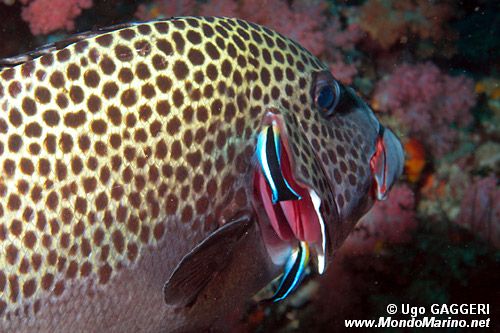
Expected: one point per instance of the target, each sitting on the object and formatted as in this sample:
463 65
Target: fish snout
387 162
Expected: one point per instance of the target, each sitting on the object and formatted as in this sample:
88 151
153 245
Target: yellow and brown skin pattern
119 153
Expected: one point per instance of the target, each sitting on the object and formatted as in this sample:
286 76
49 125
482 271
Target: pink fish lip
291 221
386 163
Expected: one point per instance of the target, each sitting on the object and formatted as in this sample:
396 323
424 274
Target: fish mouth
386 164
290 210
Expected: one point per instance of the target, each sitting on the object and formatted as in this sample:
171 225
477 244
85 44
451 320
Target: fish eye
327 97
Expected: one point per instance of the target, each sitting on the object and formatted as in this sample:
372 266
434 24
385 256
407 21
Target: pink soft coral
228 8
389 221
429 102
45 16
341 41
480 209
391 21
343 72
302 21
166 9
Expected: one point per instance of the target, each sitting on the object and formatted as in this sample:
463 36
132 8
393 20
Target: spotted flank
151 152
104 138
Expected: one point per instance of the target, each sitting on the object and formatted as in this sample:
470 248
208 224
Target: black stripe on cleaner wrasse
295 270
162 173
269 155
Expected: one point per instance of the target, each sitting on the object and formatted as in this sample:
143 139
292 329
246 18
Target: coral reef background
430 69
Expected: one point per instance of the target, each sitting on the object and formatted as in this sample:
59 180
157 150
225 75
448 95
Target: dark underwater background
430 70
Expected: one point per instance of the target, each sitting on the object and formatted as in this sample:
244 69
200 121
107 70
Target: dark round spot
107 65
123 53
94 103
109 90
142 71
42 95
91 78
161 27
212 72
196 57
129 97
163 83
212 51
226 68
63 55
187 214
15 117
178 41
125 75
178 98
33 130
337 177
173 126
75 119
176 150
265 76
15 143
76 94
29 106
194 36
143 48
57 79
180 70
159 62
62 101
99 127
73 72
127 34
105 40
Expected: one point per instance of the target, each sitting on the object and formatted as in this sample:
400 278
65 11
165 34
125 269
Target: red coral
480 209
429 102
45 16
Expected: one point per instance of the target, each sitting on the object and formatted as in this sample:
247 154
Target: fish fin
59 45
200 265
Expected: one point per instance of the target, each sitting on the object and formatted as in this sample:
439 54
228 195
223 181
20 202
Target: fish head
322 163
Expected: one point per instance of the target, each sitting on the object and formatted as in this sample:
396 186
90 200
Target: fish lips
300 213
386 163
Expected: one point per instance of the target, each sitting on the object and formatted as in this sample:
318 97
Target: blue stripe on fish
269 155
295 269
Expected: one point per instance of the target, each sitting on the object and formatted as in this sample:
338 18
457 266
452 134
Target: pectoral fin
200 265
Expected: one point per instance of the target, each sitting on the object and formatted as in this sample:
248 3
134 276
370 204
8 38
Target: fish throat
292 209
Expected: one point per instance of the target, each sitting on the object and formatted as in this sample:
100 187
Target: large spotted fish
156 175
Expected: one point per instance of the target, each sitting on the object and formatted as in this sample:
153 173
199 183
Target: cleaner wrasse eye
146 167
